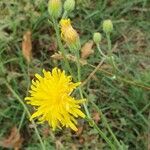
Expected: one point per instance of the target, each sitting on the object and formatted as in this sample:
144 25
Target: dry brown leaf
74 59
46 132
73 147
59 145
27 46
96 117
106 66
81 140
53 46
80 130
14 140
58 56
86 50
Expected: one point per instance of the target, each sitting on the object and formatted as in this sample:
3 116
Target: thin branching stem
77 53
28 114
27 77
99 49
106 124
60 45
110 54
90 120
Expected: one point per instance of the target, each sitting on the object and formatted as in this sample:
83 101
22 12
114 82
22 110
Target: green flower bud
97 37
107 26
55 8
69 5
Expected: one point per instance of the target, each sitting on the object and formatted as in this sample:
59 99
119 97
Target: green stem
79 79
99 49
64 14
60 45
22 119
109 45
101 133
85 106
27 78
110 54
107 125
104 137
28 113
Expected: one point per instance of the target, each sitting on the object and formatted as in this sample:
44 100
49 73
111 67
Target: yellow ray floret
51 97
68 33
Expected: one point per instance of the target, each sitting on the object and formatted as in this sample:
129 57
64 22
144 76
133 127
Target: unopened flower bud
107 26
55 8
97 37
69 5
69 34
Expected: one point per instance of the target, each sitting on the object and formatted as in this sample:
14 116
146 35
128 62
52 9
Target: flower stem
64 14
107 125
104 137
77 53
109 45
27 78
79 79
60 45
110 54
90 120
99 49
28 113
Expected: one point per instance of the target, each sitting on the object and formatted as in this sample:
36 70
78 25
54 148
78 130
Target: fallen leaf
81 140
106 66
96 117
80 130
74 147
86 50
53 46
27 46
14 140
59 56
46 132
59 145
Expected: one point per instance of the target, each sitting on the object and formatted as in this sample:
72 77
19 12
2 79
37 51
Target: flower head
69 5
55 8
68 33
51 97
107 26
97 37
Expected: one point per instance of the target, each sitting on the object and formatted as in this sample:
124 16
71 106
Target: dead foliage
14 140
87 50
27 46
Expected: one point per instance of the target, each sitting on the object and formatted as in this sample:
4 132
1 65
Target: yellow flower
51 97
68 33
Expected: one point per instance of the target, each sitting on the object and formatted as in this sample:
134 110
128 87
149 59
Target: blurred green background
125 101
